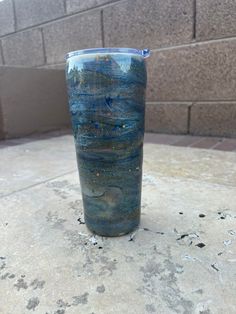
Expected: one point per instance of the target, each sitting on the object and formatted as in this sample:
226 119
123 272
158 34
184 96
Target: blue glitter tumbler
106 89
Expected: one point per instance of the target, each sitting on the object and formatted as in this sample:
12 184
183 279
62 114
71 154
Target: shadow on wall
32 100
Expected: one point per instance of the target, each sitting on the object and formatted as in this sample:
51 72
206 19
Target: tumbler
106 92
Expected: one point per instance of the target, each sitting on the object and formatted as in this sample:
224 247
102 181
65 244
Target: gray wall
32 101
192 70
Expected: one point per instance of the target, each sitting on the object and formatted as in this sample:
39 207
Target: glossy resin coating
107 106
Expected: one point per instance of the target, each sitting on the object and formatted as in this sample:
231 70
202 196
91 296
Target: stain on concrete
37 284
226 213
78 269
150 308
200 245
55 221
80 221
129 259
150 269
201 215
59 188
108 266
88 266
3 277
182 236
7 275
187 238
171 293
75 239
58 184
232 232
152 231
60 311
81 299
86 243
2 265
215 267
63 188
32 303
21 284
77 207
61 193
101 289
132 236
205 312
61 303
167 273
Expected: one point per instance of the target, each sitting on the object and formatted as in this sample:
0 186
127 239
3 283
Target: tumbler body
106 92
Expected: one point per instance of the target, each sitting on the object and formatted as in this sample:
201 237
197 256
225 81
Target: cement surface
176 262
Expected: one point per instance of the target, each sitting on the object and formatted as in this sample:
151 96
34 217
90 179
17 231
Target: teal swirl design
107 106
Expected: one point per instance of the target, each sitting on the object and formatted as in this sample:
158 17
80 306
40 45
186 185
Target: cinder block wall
192 70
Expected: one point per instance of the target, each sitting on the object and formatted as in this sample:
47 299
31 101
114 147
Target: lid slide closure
146 53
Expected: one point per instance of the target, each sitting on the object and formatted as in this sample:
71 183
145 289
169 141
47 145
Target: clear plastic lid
144 53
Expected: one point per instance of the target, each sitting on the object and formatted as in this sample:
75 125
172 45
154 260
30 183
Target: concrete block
7 24
24 48
148 23
196 72
34 12
32 100
76 6
215 19
167 118
77 32
215 119
154 273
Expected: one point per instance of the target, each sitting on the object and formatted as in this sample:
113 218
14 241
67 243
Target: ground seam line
36 184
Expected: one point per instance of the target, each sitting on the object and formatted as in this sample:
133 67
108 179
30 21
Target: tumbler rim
143 53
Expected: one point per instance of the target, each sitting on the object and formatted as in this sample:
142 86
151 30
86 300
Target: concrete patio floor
182 259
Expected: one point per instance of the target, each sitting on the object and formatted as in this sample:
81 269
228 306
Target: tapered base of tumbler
108 229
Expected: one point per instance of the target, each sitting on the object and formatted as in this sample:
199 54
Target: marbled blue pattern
107 104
